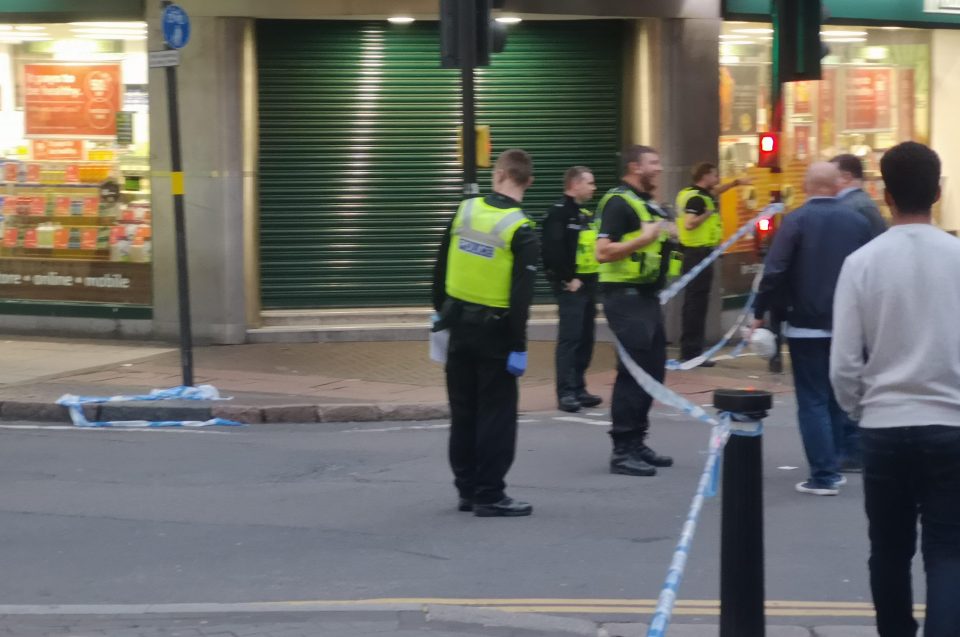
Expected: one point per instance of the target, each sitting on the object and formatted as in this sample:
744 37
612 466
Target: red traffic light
769 150
764 224
764 229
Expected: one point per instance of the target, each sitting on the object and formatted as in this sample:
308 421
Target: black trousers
483 410
575 336
696 302
637 322
912 474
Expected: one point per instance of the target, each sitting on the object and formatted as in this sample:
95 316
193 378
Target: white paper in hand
438 346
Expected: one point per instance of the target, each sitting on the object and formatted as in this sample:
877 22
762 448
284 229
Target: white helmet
763 343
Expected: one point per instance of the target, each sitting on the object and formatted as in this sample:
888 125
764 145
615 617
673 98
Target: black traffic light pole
468 58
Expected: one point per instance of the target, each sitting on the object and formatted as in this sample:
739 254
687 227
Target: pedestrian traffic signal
769 150
491 36
764 229
797 49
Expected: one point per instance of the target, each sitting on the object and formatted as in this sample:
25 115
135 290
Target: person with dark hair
853 194
568 242
633 265
895 365
482 289
800 274
700 231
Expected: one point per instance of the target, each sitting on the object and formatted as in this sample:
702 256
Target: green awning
70 10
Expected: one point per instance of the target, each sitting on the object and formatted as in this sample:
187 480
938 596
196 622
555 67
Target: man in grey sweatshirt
895 366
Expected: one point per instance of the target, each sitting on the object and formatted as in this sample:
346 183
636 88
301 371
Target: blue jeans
913 473
829 435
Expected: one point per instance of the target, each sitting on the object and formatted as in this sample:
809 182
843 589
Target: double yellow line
624 606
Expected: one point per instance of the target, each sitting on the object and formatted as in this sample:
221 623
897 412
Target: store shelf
65 220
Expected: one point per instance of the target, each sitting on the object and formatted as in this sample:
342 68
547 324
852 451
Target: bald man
799 278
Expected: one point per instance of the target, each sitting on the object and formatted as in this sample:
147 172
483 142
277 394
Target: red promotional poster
72 174
10 171
71 100
33 173
58 149
91 207
868 99
906 103
828 108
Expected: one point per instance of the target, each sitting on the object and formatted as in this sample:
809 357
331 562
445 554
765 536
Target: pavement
279 383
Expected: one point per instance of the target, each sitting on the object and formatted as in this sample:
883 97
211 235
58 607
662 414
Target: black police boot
464 504
624 462
568 404
588 400
649 456
505 508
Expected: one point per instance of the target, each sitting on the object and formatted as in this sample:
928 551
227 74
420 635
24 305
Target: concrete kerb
41 411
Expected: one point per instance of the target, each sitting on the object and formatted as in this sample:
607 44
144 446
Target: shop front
74 145
876 91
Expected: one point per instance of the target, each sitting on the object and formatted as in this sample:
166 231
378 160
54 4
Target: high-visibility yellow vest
643 266
587 244
707 234
480 261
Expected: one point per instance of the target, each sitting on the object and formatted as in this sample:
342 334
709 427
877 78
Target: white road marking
401 428
589 421
141 429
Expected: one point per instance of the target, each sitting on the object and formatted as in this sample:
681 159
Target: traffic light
764 229
797 49
769 151
491 35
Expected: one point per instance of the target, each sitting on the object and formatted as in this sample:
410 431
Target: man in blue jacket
800 276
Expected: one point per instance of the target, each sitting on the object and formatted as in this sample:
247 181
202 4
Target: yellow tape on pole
176 183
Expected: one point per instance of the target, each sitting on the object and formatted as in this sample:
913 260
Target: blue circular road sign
176 26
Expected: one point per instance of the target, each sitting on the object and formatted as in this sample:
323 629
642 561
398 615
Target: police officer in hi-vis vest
569 242
633 267
701 231
483 286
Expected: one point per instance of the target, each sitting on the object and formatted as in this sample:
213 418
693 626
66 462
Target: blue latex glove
517 363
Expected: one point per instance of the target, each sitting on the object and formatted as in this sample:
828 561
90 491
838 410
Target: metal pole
468 58
176 187
741 534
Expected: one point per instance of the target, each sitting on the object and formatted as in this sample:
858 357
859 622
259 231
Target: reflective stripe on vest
480 259
587 244
643 266
707 234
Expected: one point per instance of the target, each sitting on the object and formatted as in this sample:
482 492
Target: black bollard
742 592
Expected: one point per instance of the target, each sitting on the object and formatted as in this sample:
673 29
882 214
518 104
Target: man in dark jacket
800 274
568 244
853 194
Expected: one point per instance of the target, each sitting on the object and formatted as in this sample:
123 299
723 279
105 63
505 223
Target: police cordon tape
720 431
675 365
707 487
74 405
677 286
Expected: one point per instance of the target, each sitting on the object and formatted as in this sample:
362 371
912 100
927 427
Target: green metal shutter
359 174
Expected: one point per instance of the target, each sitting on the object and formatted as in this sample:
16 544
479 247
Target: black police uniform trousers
637 322
483 408
696 302
575 335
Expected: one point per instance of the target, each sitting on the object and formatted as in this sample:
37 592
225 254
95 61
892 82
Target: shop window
875 93
74 142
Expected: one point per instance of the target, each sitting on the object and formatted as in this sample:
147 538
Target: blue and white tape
706 488
201 392
674 289
675 365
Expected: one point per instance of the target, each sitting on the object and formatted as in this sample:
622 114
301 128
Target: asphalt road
345 512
